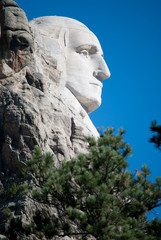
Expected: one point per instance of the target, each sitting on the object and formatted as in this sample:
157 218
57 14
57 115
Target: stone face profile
78 55
51 73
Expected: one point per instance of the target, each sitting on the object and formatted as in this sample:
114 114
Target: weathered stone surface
73 53
49 82
7 3
16 40
29 117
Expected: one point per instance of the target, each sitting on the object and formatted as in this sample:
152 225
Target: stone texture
38 104
29 117
73 53
16 40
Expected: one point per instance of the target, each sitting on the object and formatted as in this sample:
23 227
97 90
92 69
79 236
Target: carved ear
16 38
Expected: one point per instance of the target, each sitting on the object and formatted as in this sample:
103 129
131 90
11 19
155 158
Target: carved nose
102 72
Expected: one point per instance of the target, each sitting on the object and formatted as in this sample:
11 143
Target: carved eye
84 52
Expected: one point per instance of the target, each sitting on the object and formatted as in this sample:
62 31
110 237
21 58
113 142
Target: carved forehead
75 32
78 38
51 23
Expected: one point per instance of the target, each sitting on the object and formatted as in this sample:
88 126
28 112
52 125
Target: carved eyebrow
90 48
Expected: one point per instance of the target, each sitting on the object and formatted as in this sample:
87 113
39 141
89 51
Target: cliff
35 106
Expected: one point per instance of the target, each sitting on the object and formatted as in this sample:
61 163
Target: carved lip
99 84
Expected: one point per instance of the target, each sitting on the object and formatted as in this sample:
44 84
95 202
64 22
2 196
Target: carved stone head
73 57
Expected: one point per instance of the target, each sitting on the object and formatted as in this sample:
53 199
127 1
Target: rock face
36 107
71 56
44 98
16 39
29 118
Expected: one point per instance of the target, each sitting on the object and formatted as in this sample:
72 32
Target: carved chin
93 105
90 104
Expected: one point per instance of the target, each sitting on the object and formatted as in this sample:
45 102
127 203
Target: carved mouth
99 84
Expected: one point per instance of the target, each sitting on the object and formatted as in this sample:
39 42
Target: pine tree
94 194
156 138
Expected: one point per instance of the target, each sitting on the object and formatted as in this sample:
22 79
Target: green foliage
154 228
7 214
23 189
156 138
12 191
94 194
41 165
15 189
96 191
15 230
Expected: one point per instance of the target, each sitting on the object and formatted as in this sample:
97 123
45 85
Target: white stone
71 56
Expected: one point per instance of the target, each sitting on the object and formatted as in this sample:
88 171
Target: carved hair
57 27
51 36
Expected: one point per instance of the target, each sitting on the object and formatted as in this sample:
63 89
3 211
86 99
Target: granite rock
16 40
44 99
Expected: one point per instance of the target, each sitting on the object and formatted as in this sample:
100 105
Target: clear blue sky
130 35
